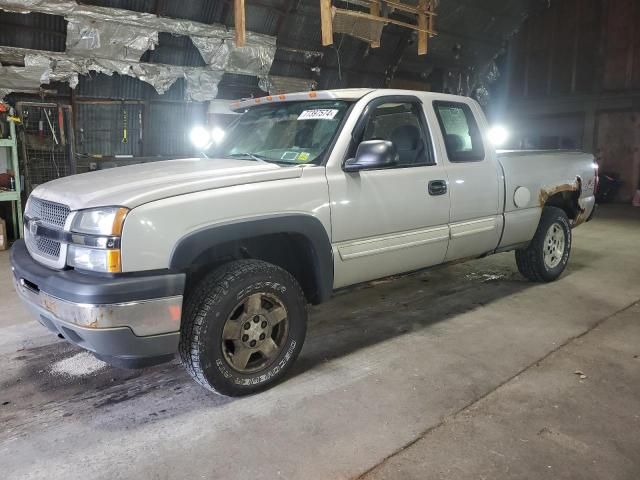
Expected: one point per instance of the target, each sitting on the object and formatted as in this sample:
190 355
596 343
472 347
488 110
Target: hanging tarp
109 40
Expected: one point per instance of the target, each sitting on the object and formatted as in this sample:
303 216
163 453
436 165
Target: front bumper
127 320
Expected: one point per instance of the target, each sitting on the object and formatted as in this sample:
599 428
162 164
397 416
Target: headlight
100 221
95 239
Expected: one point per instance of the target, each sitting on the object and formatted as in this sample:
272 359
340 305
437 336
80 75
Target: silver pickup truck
216 258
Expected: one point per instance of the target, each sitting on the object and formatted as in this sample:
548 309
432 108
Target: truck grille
53 215
47 247
50 213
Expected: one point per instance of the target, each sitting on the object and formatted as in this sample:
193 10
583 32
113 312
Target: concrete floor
465 371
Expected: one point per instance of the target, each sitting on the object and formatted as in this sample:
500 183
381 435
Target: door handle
437 187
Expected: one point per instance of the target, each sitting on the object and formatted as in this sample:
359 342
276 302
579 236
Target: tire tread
208 293
530 260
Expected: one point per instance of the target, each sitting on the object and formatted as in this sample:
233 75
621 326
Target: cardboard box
4 242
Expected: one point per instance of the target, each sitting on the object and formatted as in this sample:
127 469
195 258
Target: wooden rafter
326 22
239 20
424 12
422 25
374 10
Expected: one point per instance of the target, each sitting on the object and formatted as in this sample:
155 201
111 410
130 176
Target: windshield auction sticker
319 114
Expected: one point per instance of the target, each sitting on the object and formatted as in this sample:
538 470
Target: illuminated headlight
95 239
94 259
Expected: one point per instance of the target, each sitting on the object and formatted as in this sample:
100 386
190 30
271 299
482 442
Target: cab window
400 123
460 132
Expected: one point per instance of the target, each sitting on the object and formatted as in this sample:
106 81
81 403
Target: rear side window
460 132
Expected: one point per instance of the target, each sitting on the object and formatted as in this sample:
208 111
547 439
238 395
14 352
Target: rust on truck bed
580 213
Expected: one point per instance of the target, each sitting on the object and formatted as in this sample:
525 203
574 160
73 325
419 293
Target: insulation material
54 70
25 6
255 58
276 85
108 40
21 78
72 10
214 51
160 77
202 85
252 59
121 34
368 30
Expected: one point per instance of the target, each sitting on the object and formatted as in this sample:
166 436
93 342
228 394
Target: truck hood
134 185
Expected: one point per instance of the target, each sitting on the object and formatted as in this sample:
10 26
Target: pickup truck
216 258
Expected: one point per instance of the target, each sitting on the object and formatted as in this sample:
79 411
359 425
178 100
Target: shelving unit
13 196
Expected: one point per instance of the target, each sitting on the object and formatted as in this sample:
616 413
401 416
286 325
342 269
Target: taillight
596 182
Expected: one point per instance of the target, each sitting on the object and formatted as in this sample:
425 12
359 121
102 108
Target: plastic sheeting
214 51
255 58
121 34
111 40
201 84
25 6
220 52
20 78
276 85
108 40
23 79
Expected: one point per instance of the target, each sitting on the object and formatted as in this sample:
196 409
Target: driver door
390 220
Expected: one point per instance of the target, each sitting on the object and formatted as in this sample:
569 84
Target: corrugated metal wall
100 129
156 125
578 47
169 127
36 30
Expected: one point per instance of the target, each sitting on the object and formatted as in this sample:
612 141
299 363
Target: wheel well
567 200
290 251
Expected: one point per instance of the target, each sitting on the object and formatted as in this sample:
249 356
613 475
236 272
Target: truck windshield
287 133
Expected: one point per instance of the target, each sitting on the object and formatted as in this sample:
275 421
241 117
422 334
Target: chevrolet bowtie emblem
33 226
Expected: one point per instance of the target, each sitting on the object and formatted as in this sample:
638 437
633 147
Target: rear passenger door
386 221
475 184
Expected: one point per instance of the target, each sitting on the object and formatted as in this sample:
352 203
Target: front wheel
547 255
243 327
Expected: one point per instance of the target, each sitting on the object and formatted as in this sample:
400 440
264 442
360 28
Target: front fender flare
192 245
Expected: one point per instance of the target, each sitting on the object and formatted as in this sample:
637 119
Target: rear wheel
547 255
243 327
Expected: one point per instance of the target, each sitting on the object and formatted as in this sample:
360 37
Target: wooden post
374 9
422 25
326 22
238 13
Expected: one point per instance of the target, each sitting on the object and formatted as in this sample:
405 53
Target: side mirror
372 154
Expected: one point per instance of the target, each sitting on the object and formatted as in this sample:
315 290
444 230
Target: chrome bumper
128 320
129 335
143 317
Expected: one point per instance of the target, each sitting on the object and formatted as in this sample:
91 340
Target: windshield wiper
253 156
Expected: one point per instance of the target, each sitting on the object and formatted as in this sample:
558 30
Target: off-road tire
207 309
530 260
